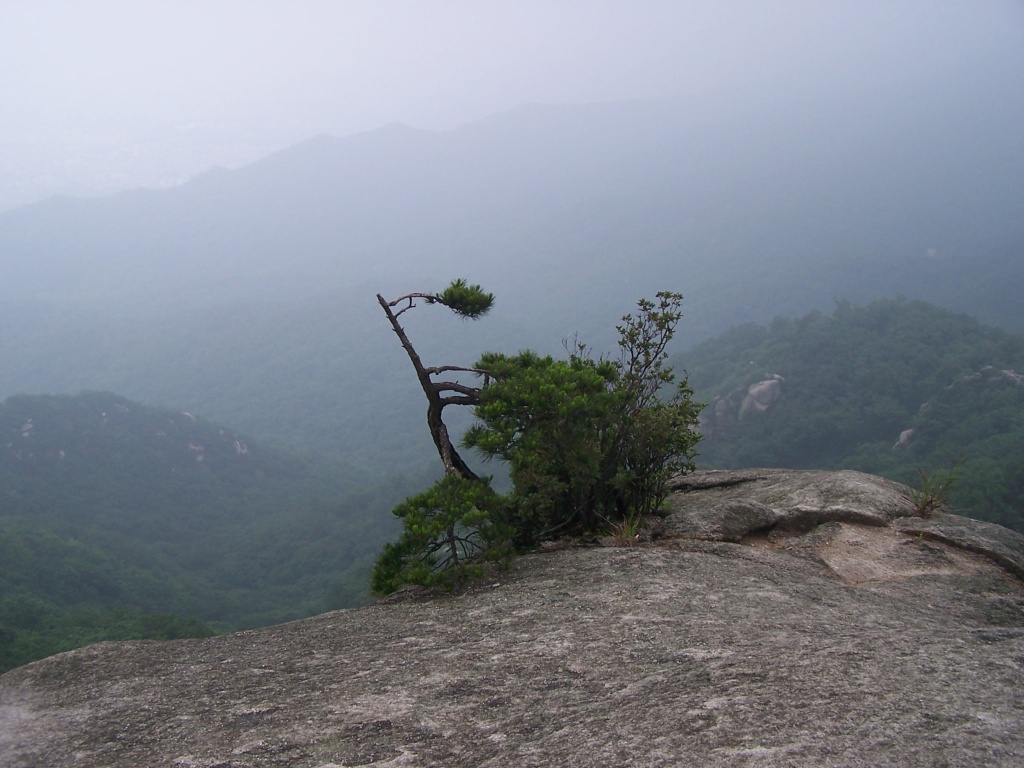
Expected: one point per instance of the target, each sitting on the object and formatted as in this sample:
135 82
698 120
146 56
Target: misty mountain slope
239 534
324 375
57 593
647 191
890 388
247 296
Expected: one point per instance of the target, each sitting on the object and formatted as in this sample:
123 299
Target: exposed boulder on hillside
971 392
834 630
993 374
741 403
728 505
906 438
761 396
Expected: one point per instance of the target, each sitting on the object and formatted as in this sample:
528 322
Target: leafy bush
445 529
588 442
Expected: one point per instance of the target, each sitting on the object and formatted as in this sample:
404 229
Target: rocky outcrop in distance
741 403
771 618
979 386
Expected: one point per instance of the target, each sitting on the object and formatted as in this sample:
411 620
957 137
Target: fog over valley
761 159
115 95
200 202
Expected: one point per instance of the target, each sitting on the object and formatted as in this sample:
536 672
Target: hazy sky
266 73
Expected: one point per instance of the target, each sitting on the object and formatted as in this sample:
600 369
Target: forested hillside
891 388
118 519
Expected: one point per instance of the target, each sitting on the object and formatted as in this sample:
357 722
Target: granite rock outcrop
771 618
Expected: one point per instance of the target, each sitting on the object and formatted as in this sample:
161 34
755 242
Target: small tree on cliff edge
458 518
588 442
468 301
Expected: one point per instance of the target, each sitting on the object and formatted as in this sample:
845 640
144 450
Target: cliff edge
772 618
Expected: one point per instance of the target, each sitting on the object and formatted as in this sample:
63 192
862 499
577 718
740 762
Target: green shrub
447 530
933 495
588 442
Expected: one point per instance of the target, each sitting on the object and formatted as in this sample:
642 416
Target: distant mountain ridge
672 191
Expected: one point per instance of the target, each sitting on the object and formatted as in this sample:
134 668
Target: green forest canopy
854 381
120 519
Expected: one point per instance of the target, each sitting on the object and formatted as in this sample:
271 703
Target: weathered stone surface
761 396
841 645
995 542
741 403
795 499
724 521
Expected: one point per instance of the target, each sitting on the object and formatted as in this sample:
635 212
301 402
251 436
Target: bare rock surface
708 504
997 543
853 639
